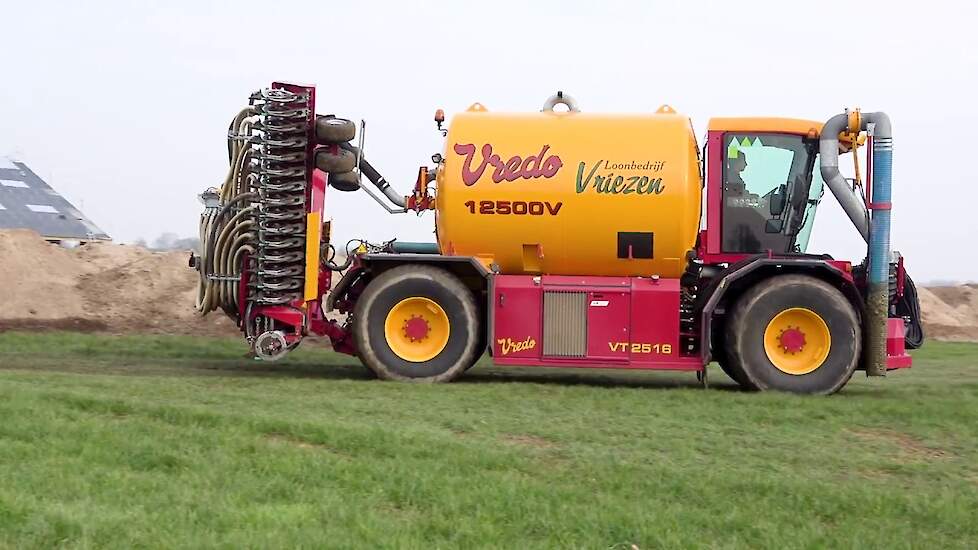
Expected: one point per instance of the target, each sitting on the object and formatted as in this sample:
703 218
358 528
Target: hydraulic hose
375 178
909 306
223 235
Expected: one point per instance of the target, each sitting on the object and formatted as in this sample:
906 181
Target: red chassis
631 323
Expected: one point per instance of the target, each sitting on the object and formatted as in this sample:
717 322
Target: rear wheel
793 333
417 323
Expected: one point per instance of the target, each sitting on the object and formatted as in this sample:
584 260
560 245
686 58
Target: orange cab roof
765 124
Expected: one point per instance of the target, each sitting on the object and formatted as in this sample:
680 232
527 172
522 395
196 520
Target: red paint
677 363
317 191
425 203
289 315
416 329
896 353
633 322
843 267
511 170
655 320
714 192
340 338
792 340
518 316
608 323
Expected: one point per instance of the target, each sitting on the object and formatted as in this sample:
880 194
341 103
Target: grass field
180 442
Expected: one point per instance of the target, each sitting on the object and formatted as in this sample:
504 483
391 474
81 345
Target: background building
28 202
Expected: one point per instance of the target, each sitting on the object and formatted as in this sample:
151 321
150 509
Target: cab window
766 180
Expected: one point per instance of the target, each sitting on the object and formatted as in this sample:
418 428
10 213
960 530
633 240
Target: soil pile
950 312
99 286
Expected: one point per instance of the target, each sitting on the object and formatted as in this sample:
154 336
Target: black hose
328 262
909 306
374 176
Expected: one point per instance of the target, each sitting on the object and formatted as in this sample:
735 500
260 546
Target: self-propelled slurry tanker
566 239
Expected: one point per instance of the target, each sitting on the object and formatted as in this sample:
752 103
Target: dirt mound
950 312
99 286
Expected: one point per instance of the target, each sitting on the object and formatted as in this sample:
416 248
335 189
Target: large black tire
340 161
482 347
747 357
344 181
330 130
720 356
410 281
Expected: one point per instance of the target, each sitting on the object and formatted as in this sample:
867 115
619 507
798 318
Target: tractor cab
763 185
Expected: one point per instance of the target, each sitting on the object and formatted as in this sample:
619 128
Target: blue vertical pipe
878 277
879 233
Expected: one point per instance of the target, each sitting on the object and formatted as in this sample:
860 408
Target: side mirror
774 225
778 201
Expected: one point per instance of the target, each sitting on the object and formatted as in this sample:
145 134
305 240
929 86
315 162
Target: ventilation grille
564 324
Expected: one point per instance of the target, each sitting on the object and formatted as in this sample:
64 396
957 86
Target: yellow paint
313 233
765 124
855 121
508 345
818 341
582 236
640 347
423 349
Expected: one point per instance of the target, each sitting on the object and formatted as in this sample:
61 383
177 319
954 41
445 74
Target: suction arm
876 230
375 178
828 149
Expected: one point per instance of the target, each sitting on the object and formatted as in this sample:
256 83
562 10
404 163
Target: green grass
182 442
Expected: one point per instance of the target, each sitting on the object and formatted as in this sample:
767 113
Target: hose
375 178
909 307
223 225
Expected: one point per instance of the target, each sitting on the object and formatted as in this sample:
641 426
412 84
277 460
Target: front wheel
417 323
793 333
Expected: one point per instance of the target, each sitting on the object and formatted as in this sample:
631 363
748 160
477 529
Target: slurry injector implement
566 239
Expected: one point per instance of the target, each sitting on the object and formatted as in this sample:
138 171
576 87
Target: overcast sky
123 107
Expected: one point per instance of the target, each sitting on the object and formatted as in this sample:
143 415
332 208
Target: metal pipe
406 247
878 274
375 178
828 150
380 201
875 230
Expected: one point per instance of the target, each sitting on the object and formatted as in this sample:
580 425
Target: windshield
769 199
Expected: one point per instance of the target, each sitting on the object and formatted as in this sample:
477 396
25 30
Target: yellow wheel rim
417 329
797 341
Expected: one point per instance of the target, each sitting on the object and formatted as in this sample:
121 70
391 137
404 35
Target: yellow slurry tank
569 193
